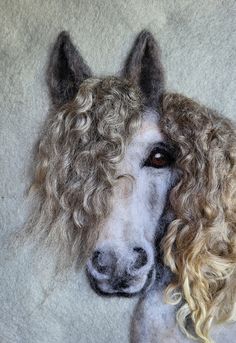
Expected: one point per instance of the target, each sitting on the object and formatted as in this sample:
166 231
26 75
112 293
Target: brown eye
158 159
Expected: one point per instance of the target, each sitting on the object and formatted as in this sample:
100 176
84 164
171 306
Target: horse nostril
97 262
141 258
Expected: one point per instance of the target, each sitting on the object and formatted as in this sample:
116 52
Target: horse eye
158 159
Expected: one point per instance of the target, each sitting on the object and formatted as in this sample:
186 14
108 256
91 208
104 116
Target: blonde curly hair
200 244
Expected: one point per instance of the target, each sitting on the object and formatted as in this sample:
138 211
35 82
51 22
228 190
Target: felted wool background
198 42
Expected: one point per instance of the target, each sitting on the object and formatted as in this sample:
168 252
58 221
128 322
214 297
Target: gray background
198 42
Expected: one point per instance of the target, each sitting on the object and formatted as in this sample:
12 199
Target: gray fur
66 70
143 66
154 321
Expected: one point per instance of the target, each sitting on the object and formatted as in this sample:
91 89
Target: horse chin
106 289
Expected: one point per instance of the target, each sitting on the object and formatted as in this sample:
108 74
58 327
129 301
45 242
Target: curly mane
200 245
78 153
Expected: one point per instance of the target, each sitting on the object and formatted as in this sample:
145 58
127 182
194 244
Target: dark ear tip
145 35
63 37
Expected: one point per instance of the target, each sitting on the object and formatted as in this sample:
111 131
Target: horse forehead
149 129
148 134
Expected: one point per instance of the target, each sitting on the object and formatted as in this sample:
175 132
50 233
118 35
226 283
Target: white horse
113 172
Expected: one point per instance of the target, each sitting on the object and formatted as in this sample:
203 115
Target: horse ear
66 70
143 67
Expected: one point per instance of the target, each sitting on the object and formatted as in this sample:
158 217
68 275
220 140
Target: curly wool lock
200 245
78 153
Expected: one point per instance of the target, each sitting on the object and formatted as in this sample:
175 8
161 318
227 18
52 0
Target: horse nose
141 258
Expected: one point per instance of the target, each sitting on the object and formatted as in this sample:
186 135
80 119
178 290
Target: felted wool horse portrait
139 185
